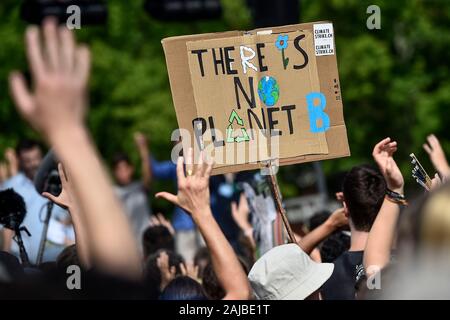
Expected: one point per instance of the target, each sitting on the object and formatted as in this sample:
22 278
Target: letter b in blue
316 112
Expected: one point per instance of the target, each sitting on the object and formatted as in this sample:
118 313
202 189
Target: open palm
383 155
64 199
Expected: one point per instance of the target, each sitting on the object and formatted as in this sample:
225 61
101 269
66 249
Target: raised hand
437 155
60 72
56 107
140 140
240 213
193 188
436 182
66 198
193 196
160 220
338 218
189 270
12 162
383 155
3 172
167 272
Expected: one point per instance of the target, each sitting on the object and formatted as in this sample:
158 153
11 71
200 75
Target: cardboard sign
249 97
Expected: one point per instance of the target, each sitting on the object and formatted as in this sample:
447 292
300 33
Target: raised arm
382 234
56 108
311 240
193 196
437 156
144 154
12 162
9 170
67 200
3 172
240 213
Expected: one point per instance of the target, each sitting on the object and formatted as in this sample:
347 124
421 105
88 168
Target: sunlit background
395 81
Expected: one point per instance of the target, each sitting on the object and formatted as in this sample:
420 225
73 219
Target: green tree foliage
395 81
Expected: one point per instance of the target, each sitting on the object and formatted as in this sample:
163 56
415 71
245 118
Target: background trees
395 81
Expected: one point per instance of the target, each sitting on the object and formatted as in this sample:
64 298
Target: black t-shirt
348 269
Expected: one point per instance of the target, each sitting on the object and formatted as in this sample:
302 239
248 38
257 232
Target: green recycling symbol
244 137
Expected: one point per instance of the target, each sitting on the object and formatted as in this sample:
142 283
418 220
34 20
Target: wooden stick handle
279 205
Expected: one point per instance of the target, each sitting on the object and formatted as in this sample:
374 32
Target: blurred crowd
378 244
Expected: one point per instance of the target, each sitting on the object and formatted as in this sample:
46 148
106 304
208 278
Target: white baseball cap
286 272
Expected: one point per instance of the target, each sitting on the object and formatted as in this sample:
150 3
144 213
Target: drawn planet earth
268 90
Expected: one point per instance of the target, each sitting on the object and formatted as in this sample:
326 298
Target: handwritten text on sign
259 82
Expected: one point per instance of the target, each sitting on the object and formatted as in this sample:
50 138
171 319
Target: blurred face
123 172
30 161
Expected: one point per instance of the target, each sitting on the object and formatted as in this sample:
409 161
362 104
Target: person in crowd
383 156
56 108
364 189
162 267
201 260
286 272
8 168
240 213
437 156
194 197
133 193
422 251
68 257
224 191
318 218
423 234
187 238
211 285
335 245
23 164
157 237
183 288
247 245
107 242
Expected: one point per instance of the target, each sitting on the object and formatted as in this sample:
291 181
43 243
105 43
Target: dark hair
67 257
48 267
155 238
183 288
364 190
335 245
318 218
152 272
120 157
202 255
211 284
26 145
245 252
